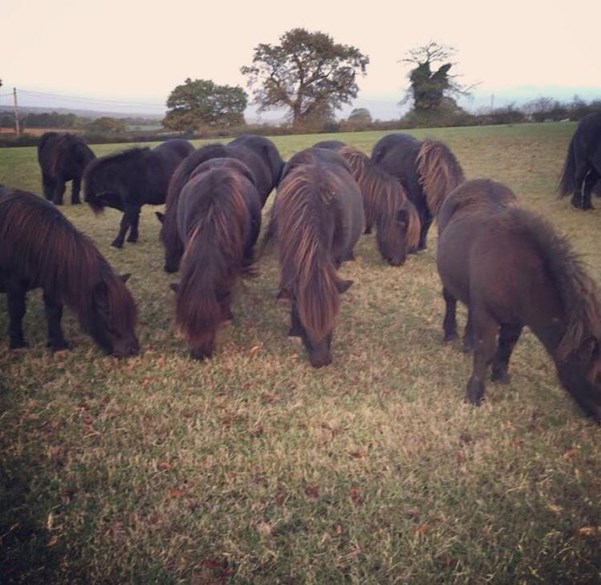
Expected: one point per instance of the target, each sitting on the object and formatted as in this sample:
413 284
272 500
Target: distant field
255 468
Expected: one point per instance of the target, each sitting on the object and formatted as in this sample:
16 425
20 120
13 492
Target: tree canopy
307 73
431 83
200 103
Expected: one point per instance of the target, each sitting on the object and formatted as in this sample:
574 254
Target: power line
89 100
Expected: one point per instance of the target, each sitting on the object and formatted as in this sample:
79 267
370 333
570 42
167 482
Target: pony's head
397 232
111 317
580 374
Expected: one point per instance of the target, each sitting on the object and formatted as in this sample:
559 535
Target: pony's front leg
75 189
485 333
54 313
426 221
508 337
449 324
134 220
15 300
582 198
123 227
296 327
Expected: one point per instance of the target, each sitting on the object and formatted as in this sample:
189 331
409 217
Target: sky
131 54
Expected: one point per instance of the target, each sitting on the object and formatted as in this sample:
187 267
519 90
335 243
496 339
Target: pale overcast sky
139 50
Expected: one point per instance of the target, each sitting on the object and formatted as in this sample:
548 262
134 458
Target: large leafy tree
200 103
431 83
307 73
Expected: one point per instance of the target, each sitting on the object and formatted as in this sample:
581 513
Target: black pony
40 248
581 173
427 169
318 217
62 157
512 270
385 202
258 154
129 179
218 218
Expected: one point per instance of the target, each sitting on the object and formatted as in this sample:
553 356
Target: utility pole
17 127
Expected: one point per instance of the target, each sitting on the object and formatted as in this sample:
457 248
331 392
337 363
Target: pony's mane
218 220
307 268
578 293
382 194
57 256
439 172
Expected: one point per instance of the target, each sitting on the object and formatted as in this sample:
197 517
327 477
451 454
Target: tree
432 89
200 103
107 125
307 73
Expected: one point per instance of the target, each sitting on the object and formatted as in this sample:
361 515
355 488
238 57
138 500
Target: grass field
255 468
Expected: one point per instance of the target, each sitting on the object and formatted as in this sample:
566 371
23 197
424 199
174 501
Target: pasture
253 467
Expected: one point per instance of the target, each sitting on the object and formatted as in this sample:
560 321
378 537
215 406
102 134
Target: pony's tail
96 205
567 181
439 172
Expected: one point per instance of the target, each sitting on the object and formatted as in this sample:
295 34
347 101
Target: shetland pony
512 270
40 248
218 218
581 173
260 159
427 169
62 157
129 179
318 216
385 203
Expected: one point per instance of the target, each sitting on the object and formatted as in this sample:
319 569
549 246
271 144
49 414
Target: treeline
68 121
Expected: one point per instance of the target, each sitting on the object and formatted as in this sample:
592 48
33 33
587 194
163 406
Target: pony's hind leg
485 333
59 191
53 309
75 189
48 186
16 311
449 325
508 337
582 197
134 220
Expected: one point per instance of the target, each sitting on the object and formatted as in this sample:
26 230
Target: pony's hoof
20 344
448 337
117 244
500 376
56 347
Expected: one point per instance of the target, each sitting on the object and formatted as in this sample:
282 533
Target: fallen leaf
175 492
588 530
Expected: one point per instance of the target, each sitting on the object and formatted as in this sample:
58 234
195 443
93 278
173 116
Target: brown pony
318 217
40 248
385 203
512 270
218 218
427 169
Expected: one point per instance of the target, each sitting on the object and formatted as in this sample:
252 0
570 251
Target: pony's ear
160 216
174 286
343 285
125 277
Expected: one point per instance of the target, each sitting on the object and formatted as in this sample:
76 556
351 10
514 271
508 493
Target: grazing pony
581 173
218 218
512 270
40 248
260 159
427 169
385 203
318 217
129 179
62 157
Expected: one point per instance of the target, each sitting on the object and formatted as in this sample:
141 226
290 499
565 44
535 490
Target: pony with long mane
318 216
40 248
385 203
131 178
427 169
258 154
62 157
512 270
219 219
581 174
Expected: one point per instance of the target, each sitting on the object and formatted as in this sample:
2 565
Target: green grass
255 468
